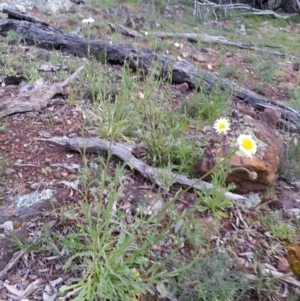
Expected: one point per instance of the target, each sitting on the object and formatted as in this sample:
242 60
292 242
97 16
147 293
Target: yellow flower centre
222 126
247 144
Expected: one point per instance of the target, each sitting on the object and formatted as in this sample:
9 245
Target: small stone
44 134
64 174
73 177
68 122
252 240
200 58
270 116
121 195
34 186
57 175
286 86
66 90
241 262
140 95
175 11
47 160
9 171
282 265
14 64
182 87
296 66
58 120
185 55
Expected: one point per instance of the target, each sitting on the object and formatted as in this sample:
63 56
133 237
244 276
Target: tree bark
291 6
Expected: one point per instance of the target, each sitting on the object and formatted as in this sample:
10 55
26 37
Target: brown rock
270 116
200 58
265 162
182 87
282 265
296 66
286 86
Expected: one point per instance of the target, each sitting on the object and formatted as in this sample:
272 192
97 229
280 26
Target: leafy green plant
249 58
46 170
31 71
2 165
278 228
294 102
289 159
113 258
198 232
206 107
265 72
12 38
228 71
213 198
165 149
259 88
216 277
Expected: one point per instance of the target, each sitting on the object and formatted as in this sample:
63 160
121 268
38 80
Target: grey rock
173 11
9 171
44 6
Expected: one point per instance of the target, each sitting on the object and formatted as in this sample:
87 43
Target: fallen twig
124 152
288 278
11 263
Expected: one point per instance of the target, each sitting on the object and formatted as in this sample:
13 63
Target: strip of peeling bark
164 66
124 153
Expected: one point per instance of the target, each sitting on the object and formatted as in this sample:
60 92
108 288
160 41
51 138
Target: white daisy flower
88 21
247 145
222 126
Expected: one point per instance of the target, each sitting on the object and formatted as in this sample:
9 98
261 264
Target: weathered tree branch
124 152
37 97
208 4
163 66
193 37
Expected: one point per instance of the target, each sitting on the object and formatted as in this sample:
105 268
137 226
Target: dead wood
288 278
124 152
207 5
11 263
36 96
192 37
164 66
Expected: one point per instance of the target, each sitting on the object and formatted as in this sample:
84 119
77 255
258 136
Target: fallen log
124 152
164 66
192 37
